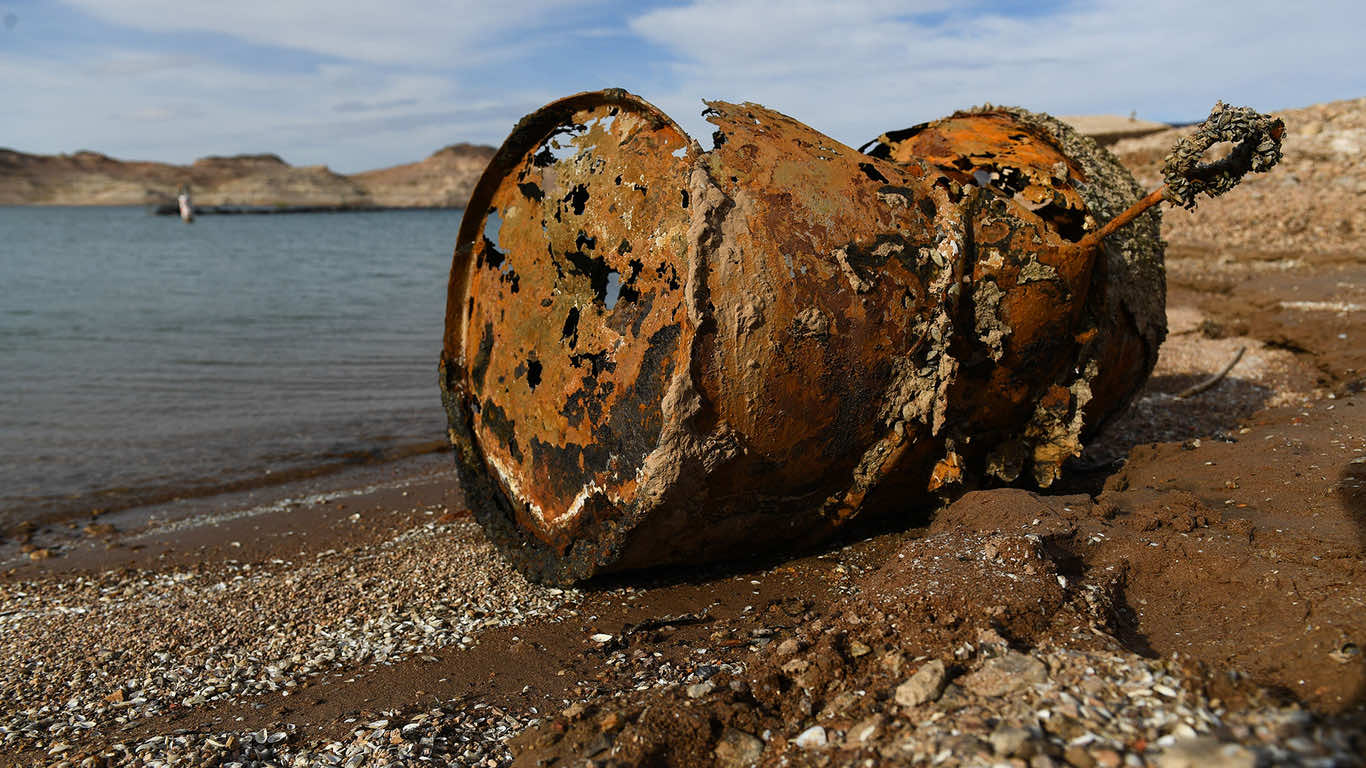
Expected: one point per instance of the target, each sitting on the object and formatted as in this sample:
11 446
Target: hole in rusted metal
673 275
613 289
870 172
597 362
532 191
571 328
577 197
1069 223
492 226
595 269
1012 180
877 149
491 255
554 150
629 293
533 373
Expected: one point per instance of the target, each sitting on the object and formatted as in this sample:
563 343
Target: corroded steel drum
657 354
1049 311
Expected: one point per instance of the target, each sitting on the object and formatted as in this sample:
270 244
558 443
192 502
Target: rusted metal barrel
656 354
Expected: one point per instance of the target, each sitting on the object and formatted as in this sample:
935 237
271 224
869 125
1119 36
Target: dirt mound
1314 202
283 185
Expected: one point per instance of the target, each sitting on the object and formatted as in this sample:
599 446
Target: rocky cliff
444 179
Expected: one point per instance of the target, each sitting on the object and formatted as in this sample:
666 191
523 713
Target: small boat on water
186 206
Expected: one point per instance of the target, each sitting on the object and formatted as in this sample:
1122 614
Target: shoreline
171 209
1191 592
60 534
374 619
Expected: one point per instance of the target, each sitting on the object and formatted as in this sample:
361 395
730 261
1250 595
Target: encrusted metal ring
1257 148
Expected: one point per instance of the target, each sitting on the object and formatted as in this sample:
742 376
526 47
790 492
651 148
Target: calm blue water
143 358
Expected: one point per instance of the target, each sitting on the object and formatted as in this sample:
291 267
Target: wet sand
1198 577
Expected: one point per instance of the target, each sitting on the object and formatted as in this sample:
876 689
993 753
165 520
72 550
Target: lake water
143 359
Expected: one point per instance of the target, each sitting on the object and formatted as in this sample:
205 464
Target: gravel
94 653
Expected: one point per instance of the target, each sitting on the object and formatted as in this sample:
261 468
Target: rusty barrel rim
506 485
529 132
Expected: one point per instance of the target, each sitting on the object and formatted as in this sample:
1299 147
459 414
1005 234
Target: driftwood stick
1215 379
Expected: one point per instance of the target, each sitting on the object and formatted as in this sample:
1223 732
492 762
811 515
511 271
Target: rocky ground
1192 594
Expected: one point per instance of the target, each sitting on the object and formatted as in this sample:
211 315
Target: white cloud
404 78
168 112
397 80
179 114
865 67
373 106
132 63
414 32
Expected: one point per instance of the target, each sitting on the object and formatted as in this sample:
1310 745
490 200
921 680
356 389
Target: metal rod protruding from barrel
1257 149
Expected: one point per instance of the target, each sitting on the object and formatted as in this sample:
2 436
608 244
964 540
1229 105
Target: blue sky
358 85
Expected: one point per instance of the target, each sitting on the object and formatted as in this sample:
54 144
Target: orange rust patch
995 149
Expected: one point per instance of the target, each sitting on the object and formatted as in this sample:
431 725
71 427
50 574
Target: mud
1221 535
1238 560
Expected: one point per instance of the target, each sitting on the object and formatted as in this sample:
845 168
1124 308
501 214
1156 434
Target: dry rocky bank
442 180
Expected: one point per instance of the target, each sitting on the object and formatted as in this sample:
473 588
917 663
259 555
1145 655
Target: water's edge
144 360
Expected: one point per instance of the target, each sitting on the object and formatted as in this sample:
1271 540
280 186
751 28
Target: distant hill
445 179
